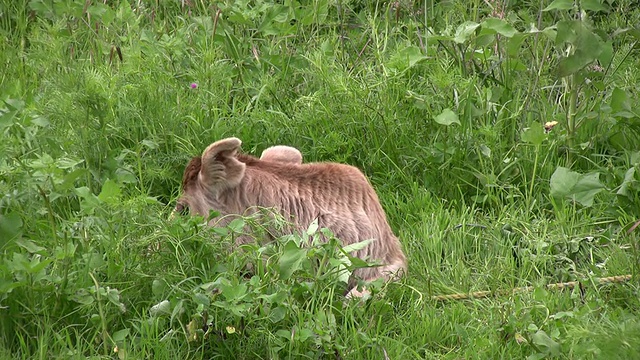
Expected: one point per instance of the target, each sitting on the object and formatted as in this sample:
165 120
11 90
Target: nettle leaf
500 26
464 31
581 188
559 5
447 117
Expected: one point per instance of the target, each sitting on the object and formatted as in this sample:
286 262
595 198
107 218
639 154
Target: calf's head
206 176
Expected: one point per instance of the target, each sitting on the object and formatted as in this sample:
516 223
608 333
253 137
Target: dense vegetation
443 104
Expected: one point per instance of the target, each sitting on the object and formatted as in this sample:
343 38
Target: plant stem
103 322
533 176
571 117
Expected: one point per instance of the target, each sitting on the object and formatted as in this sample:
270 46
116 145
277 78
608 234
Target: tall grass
441 104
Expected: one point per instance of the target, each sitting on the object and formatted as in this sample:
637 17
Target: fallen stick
555 286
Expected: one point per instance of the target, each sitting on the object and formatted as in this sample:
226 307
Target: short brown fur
339 196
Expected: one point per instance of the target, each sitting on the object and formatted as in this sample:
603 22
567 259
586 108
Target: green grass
98 119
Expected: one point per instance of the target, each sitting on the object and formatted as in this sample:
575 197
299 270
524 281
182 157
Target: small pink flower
194 85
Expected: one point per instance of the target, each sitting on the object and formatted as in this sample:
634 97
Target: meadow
502 136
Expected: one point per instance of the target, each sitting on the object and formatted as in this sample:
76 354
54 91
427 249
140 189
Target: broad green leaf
158 287
150 144
273 18
313 228
562 314
560 5
629 180
565 32
35 265
40 121
406 58
541 339
303 334
97 10
125 176
67 163
65 251
447 117
237 225
485 150
341 265
88 201
577 187
70 179
201 299
275 298
500 26
588 46
593 5
620 101
277 314
514 44
10 227
7 118
15 104
357 246
82 296
110 193
30 246
161 308
572 64
291 259
551 32
534 135
464 31
606 55
234 291
177 309
120 335
320 11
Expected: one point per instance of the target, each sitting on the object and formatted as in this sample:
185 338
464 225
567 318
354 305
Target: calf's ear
220 168
282 153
